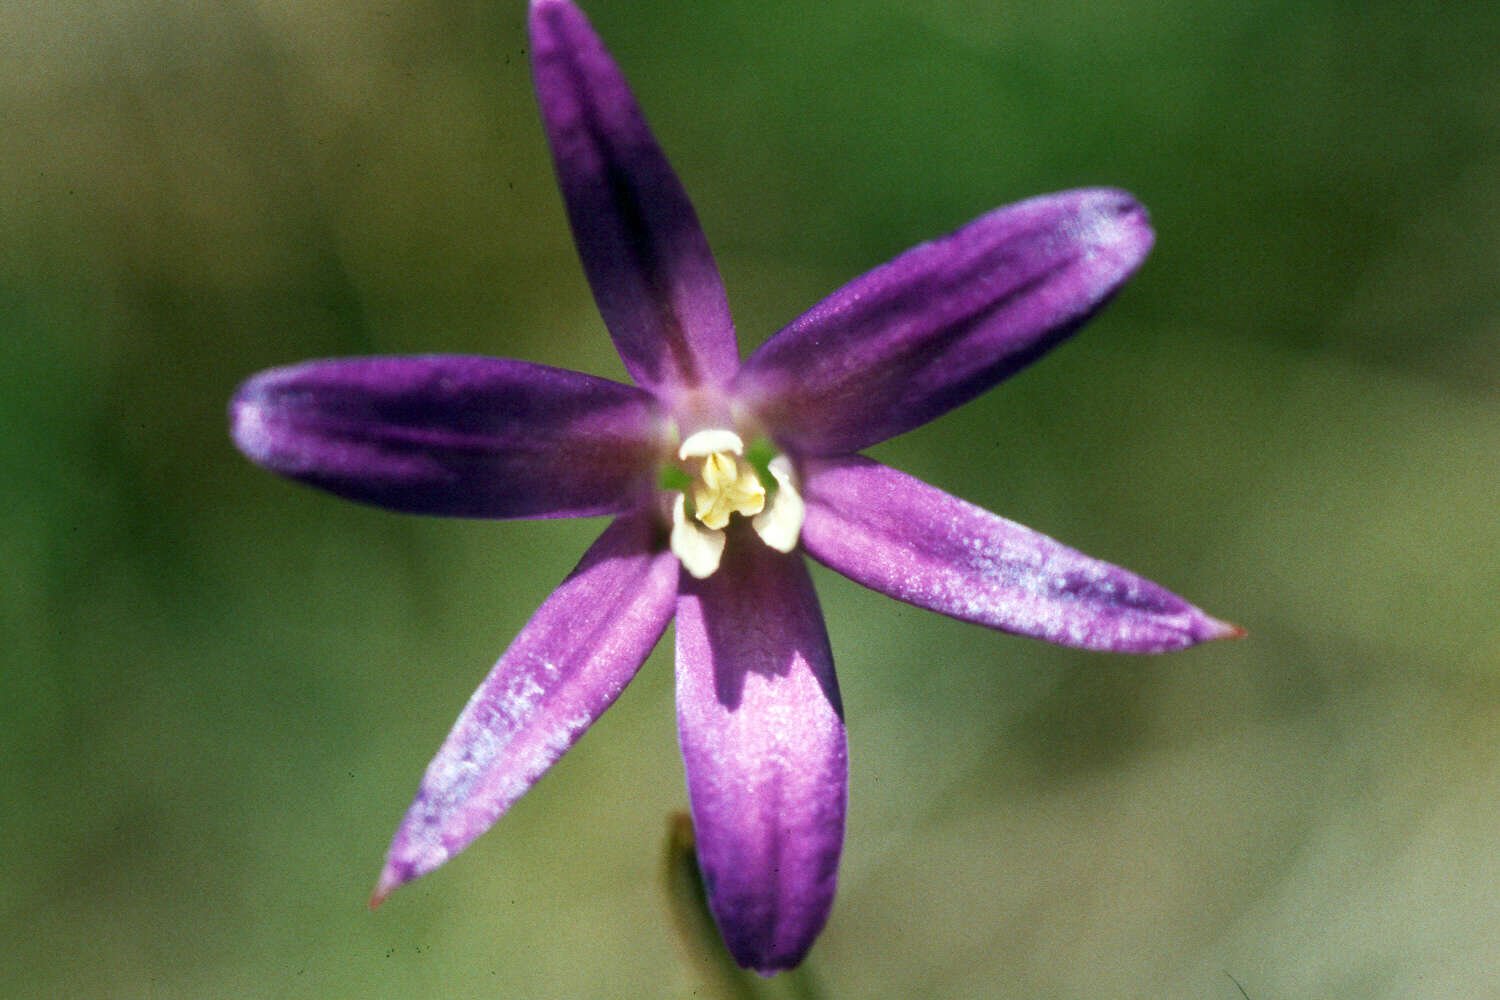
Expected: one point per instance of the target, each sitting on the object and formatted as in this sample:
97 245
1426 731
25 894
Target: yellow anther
726 485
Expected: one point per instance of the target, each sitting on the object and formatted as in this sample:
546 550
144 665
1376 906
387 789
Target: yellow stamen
726 485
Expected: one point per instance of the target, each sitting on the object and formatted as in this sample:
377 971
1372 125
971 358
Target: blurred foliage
219 690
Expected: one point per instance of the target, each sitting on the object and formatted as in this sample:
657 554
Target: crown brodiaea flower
719 475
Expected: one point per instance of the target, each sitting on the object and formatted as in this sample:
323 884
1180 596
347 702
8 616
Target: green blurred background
219 689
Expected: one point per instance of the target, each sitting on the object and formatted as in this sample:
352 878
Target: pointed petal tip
1200 628
395 874
753 958
389 883
253 422
246 420
1119 203
1111 218
768 966
1207 628
767 962
1225 630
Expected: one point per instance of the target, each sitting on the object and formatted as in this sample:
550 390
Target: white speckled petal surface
912 541
566 667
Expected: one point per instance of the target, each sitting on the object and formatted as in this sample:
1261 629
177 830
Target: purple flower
719 475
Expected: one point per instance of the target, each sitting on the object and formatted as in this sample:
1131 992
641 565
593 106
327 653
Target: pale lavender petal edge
645 255
944 321
763 743
567 666
454 435
911 541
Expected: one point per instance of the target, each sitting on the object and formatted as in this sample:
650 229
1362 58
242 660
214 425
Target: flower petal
645 255
464 436
564 669
897 535
762 733
944 321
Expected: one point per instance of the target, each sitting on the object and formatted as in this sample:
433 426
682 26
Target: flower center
726 483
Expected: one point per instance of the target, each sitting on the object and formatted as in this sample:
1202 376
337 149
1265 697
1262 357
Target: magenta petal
762 734
944 321
897 535
564 669
645 255
464 436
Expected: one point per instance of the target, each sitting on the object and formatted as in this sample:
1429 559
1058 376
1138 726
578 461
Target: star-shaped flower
720 475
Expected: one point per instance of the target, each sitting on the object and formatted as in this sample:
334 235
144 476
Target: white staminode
780 524
705 443
726 484
699 549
